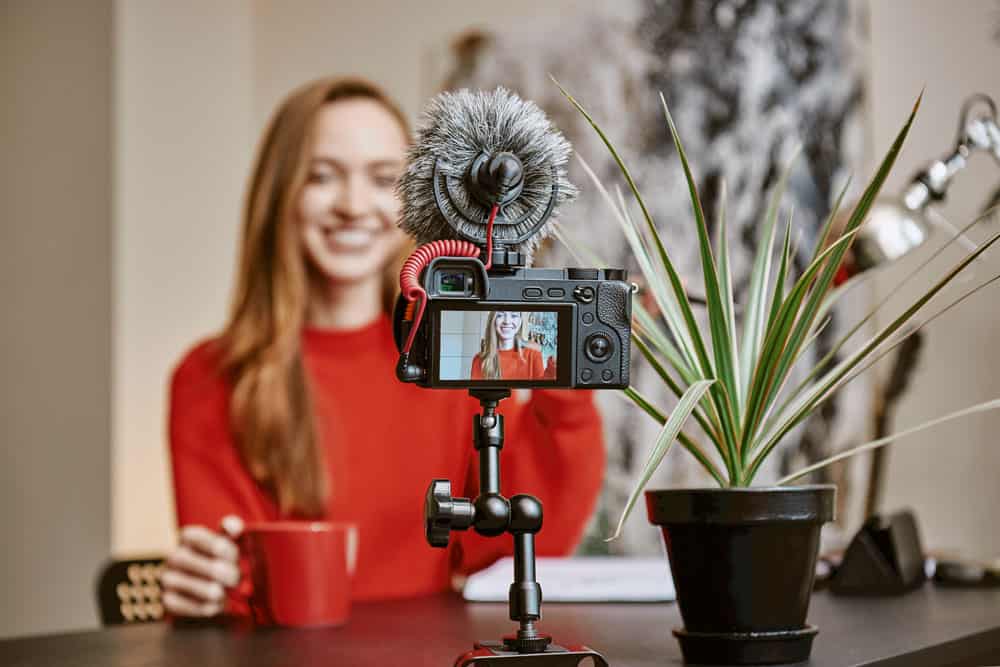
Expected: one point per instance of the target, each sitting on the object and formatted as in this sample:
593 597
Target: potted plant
743 557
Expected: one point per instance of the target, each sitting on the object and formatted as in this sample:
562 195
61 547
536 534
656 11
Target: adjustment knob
583 293
443 514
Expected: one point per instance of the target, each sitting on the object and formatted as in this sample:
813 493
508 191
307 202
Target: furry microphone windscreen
455 128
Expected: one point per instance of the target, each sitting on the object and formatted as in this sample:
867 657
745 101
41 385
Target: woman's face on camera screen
507 324
347 211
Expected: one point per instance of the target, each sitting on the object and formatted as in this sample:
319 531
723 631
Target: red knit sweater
523 364
384 442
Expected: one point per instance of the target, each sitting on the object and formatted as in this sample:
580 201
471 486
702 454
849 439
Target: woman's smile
347 208
349 239
507 325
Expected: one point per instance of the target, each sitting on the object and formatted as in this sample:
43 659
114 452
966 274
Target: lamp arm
979 132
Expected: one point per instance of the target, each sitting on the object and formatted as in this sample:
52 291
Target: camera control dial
583 293
598 347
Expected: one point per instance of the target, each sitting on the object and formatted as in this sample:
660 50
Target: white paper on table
580 579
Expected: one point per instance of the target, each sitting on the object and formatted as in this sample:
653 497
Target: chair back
128 591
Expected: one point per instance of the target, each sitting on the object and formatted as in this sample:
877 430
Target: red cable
409 276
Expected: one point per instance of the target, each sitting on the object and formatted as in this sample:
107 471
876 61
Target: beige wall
55 287
949 474
397 44
183 143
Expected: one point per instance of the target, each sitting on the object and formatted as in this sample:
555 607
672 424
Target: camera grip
614 308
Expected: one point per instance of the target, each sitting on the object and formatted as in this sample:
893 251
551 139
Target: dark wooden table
931 626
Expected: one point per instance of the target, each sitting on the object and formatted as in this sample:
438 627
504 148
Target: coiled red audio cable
409 276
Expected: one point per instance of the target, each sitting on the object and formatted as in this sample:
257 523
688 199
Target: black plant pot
743 562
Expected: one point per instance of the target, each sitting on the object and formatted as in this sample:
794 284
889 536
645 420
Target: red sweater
524 364
384 442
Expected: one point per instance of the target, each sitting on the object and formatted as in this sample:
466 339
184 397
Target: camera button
583 293
598 347
607 375
556 292
532 293
588 318
586 374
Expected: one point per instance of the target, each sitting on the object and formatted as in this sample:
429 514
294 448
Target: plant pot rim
744 489
814 503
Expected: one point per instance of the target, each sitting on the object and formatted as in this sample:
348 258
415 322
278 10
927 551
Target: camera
483 181
518 327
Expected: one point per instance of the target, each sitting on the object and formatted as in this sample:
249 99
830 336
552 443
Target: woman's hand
199 570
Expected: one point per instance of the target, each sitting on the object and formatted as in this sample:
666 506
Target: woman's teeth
350 238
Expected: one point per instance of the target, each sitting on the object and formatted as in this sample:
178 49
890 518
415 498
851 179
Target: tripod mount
492 515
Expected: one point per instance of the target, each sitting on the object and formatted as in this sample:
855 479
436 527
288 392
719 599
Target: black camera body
518 327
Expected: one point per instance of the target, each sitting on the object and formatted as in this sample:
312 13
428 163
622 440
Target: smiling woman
284 415
505 351
347 210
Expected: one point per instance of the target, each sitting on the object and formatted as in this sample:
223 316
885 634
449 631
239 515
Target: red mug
300 571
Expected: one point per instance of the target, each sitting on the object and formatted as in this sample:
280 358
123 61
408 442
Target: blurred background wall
127 142
55 290
947 474
184 138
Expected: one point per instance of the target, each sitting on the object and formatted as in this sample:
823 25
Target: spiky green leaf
668 434
686 441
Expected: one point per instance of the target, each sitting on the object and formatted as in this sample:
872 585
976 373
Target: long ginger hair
489 346
270 411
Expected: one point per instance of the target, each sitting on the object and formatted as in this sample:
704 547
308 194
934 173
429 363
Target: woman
505 352
294 410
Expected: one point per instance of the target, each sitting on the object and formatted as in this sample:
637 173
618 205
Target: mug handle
244 589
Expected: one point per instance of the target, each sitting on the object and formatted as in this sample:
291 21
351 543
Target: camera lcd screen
499 346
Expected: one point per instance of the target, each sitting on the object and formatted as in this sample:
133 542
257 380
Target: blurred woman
505 352
293 411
